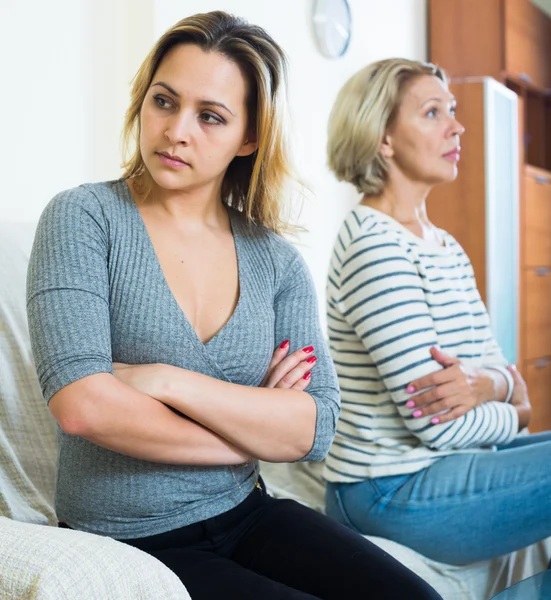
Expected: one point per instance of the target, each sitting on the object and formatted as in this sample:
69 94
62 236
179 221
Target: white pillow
28 447
38 562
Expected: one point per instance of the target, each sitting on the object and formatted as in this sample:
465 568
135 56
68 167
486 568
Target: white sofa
39 561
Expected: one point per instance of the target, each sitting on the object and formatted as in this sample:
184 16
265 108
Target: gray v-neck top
96 294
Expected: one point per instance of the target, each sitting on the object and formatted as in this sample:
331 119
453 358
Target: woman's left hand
457 388
150 379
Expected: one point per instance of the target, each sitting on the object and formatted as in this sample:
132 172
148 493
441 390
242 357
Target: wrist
488 385
174 386
502 383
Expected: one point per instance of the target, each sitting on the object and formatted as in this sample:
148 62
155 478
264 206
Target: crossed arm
187 418
220 423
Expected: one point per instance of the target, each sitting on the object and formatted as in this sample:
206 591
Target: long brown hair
255 184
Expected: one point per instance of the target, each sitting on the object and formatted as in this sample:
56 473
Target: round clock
332 26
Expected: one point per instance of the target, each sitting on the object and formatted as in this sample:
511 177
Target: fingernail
284 344
312 359
410 404
435 420
308 349
307 376
417 413
410 389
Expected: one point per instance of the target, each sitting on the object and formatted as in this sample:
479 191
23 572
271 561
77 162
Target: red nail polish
308 349
284 344
307 375
312 359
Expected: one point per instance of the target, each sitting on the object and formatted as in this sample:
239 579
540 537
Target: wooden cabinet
537 374
526 37
509 41
481 208
537 313
497 38
537 238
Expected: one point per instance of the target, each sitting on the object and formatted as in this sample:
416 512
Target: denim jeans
464 508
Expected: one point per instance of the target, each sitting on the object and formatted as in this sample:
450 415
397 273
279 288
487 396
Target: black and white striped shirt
391 296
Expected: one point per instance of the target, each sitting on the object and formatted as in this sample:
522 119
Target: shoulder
92 199
365 233
452 243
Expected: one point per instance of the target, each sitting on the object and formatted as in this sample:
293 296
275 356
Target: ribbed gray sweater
96 294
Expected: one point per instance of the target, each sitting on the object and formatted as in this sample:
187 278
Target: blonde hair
252 184
364 110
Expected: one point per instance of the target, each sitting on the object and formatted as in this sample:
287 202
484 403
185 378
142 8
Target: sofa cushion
47 563
28 447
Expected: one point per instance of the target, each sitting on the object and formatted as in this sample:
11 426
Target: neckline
397 226
236 234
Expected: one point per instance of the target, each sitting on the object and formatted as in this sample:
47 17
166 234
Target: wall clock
332 21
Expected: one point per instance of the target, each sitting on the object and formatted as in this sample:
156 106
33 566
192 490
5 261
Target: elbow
316 446
73 424
315 451
70 417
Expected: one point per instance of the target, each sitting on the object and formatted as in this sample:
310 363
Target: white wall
66 67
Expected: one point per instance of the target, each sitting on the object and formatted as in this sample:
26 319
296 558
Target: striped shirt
391 296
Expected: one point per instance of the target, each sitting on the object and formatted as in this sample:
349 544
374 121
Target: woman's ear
386 146
249 146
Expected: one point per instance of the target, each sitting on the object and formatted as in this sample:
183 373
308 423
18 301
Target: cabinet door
538 312
538 380
537 236
527 43
467 37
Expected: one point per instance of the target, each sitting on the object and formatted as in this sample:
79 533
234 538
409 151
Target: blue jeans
464 508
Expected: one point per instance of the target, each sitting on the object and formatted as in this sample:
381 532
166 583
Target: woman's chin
168 180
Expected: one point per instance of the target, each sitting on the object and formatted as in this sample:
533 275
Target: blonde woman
155 303
426 450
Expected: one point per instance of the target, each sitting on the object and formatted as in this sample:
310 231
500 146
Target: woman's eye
211 119
432 113
453 111
162 102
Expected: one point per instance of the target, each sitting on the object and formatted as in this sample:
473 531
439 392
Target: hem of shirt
141 529
73 373
402 468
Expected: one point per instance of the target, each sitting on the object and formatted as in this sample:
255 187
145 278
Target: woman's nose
179 128
458 128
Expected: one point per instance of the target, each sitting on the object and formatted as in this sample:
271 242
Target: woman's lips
174 162
454 155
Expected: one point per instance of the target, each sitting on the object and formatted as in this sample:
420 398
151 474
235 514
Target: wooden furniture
481 208
509 41
494 38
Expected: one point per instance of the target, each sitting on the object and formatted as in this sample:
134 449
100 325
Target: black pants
265 549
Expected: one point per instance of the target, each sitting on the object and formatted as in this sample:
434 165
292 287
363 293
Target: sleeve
493 357
68 292
382 298
297 319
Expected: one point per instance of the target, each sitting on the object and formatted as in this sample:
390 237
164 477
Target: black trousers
266 549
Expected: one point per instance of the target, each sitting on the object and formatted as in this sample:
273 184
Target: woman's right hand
290 372
520 399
